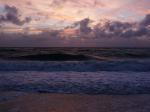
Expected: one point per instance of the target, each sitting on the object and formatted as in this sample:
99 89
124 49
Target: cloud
43 39
140 32
84 26
111 29
77 3
119 29
85 33
146 20
11 15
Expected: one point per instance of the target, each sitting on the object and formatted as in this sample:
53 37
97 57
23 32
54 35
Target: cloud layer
11 15
75 23
86 33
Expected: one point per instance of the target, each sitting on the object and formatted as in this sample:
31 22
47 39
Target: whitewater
130 76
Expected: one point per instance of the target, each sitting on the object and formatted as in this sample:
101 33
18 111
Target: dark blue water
121 71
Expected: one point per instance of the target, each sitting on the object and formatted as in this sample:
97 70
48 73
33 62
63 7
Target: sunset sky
75 23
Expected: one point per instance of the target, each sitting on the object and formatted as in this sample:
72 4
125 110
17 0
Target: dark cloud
12 15
53 39
43 39
84 26
142 31
139 29
146 20
113 30
110 33
110 29
123 29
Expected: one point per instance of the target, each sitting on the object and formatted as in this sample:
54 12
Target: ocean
75 70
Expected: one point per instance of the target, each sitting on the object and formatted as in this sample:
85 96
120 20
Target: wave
54 57
78 66
76 54
76 82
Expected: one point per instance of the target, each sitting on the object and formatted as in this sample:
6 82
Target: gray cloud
53 39
142 31
83 26
111 33
146 20
12 15
123 29
44 39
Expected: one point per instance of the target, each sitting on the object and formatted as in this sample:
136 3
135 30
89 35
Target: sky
75 23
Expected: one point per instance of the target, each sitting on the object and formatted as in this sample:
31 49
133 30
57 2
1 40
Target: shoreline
50 102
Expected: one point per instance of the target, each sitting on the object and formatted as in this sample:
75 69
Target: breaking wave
76 82
77 66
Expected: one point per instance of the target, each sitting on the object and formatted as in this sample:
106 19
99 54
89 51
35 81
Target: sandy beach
46 102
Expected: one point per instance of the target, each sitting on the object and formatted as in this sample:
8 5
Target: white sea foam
76 82
90 77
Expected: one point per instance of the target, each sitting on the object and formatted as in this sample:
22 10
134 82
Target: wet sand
46 102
